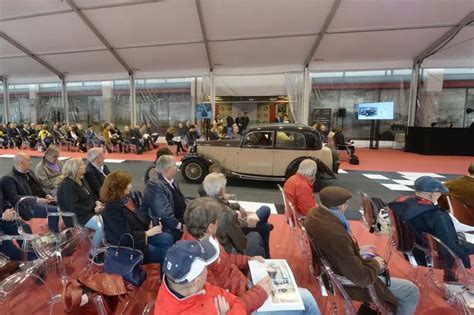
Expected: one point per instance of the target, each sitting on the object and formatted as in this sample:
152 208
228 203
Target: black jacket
4 204
95 178
422 216
76 199
16 185
118 219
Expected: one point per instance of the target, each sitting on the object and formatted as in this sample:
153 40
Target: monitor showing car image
204 111
375 111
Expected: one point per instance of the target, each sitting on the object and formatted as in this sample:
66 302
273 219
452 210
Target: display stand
374 134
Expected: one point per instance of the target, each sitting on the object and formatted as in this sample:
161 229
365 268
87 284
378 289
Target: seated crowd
204 244
74 137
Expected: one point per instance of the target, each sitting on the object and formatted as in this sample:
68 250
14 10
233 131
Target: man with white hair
162 198
249 223
96 170
299 187
22 182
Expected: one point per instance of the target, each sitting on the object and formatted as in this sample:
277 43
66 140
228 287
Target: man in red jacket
229 270
184 289
299 187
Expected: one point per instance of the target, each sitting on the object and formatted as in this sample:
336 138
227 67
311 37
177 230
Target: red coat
200 303
299 190
228 272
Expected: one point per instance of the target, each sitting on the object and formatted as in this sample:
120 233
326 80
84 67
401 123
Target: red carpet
388 160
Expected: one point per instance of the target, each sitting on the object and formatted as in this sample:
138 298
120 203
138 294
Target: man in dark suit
96 170
8 226
22 182
279 118
163 199
244 121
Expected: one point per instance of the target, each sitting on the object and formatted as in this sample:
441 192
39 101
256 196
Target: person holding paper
230 270
184 289
331 231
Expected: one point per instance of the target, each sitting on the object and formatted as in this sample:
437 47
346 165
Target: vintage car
269 152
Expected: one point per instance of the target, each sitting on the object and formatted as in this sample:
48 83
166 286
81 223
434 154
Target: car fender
322 168
203 158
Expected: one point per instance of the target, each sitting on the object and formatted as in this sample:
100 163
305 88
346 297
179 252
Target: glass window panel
120 112
3 119
85 104
362 87
50 106
162 104
20 104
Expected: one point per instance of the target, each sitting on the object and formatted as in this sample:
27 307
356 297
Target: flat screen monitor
204 111
375 111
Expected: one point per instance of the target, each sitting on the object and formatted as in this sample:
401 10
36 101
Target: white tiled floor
405 182
376 176
415 175
397 187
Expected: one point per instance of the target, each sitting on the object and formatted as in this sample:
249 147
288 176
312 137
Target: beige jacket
47 178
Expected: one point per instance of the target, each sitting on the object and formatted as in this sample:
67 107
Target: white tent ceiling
165 38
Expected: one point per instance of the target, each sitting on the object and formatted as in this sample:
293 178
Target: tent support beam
446 37
133 101
412 102
323 31
96 32
31 55
204 35
65 100
6 98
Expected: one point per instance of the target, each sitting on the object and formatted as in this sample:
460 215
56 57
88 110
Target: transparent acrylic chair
149 308
448 275
26 292
328 277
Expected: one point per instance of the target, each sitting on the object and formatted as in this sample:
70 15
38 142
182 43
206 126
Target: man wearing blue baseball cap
422 215
184 289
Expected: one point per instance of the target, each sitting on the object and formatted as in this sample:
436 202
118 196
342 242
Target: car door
289 145
256 153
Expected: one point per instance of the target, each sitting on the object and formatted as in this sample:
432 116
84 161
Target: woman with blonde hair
120 217
48 171
75 195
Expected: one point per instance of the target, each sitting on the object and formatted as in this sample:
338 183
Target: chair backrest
288 213
338 291
402 235
149 308
461 211
441 257
371 211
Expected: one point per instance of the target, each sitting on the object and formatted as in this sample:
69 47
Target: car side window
290 140
259 139
314 141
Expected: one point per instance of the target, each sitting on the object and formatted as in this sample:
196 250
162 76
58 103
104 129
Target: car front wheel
193 171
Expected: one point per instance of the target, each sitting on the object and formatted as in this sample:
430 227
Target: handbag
125 261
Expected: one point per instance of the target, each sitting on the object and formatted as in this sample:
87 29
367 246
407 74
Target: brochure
285 294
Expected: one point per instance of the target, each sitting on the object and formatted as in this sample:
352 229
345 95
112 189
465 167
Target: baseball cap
186 260
430 184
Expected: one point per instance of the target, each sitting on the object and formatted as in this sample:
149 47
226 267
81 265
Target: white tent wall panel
377 14
21 67
13 8
84 63
166 58
148 24
261 52
56 33
376 46
258 18
8 50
